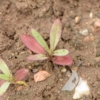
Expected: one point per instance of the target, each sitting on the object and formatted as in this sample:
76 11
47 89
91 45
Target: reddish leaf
21 74
32 44
63 60
41 75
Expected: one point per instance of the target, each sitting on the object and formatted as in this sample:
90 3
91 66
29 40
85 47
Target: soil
17 17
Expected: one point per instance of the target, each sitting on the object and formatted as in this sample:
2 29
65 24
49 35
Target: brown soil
19 16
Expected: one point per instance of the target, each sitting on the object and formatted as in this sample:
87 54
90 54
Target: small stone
12 54
97 24
35 70
98 92
19 88
97 59
98 14
68 73
91 15
77 19
98 77
84 32
63 70
75 68
72 14
58 91
30 67
48 87
61 79
87 39
36 64
21 52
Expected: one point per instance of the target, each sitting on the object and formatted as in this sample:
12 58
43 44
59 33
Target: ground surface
19 16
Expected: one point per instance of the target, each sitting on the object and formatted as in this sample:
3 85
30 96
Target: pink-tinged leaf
21 74
37 57
32 44
63 60
41 75
55 34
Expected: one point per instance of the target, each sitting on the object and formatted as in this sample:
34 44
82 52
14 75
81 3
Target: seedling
38 45
6 78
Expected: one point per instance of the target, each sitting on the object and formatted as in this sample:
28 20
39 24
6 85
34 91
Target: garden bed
17 17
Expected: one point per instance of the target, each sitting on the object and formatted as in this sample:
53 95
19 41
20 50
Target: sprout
38 45
6 78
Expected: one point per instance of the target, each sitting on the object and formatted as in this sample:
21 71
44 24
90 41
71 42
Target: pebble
58 91
75 68
12 54
19 88
63 70
35 70
77 19
91 15
98 92
30 67
36 64
84 32
97 24
61 79
68 73
98 14
72 14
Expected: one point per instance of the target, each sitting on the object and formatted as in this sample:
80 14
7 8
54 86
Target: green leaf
4 68
61 52
37 57
4 77
4 88
40 40
55 34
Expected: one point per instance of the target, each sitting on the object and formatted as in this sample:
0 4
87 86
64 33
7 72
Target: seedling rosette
6 78
38 45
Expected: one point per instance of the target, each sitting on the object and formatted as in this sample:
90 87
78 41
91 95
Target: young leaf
4 68
4 87
61 52
63 60
55 34
40 40
21 74
4 77
32 44
37 57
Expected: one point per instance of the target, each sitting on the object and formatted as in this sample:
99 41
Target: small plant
6 78
38 45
